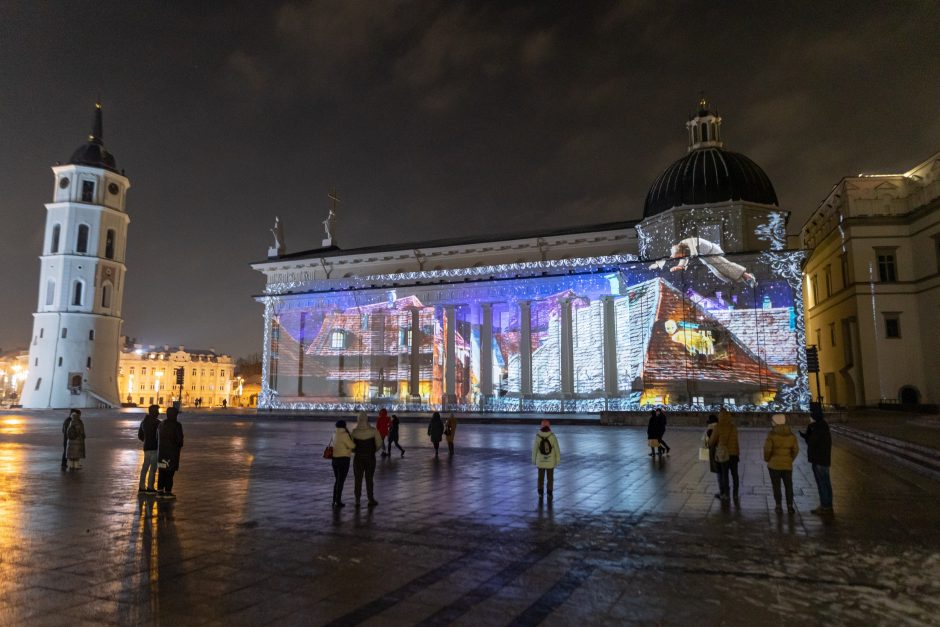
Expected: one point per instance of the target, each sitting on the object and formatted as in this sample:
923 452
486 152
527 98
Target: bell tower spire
97 133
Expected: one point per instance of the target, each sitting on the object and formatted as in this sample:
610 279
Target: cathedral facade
697 305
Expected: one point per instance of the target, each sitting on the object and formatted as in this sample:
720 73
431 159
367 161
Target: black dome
709 175
93 152
95 155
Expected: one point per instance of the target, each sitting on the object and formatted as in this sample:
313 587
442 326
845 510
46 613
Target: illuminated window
887 265
109 244
143 370
81 240
56 231
221 373
212 373
88 191
730 402
338 339
194 374
892 324
698 400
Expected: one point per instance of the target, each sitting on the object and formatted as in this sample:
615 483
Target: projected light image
694 331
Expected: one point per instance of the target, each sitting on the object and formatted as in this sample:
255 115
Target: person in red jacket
384 424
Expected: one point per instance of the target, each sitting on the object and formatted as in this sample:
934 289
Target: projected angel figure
278 232
712 256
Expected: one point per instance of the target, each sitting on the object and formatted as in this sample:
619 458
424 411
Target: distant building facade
872 288
73 353
147 376
697 305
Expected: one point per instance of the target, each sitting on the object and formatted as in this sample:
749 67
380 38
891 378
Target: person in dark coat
819 452
393 436
147 433
661 422
170 444
436 431
65 437
75 450
655 430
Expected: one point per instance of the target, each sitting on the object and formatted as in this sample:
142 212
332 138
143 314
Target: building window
38 383
887 265
106 295
337 339
109 244
60 361
56 232
832 333
143 370
81 241
194 374
844 261
88 363
892 325
819 340
77 295
221 373
91 335
827 274
50 292
814 285
65 332
41 332
132 369
88 191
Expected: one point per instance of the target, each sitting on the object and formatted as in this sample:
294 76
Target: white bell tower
73 353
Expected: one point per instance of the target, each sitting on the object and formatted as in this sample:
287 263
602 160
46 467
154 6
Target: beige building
872 288
147 375
13 370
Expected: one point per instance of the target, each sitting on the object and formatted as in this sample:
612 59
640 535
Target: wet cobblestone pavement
252 539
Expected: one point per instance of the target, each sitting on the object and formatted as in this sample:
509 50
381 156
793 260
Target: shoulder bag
328 451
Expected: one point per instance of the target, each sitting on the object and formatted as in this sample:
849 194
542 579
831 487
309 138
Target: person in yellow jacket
780 449
342 450
450 430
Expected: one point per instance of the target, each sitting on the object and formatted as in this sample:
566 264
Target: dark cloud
432 118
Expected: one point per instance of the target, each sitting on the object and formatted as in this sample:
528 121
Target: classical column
486 351
566 349
525 348
300 354
415 386
450 356
610 347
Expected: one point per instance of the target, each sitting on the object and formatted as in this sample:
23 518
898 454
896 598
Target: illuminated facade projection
610 317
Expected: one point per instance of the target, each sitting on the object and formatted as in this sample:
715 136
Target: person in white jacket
545 455
712 256
342 450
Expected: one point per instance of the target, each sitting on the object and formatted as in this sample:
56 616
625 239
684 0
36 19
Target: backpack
545 446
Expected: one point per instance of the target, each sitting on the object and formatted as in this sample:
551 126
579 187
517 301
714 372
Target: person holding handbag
342 445
170 444
780 449
724 439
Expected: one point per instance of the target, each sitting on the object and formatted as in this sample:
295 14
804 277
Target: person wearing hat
819 452
75 451
170 437
545 455
342 450
780 450
367 441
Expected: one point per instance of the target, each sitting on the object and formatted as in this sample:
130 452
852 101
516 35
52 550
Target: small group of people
655 431
438 429
780 449
388 429
360 445
162 443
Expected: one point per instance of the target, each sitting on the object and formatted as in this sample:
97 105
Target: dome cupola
708 174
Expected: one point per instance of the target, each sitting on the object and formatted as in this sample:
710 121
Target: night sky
432 119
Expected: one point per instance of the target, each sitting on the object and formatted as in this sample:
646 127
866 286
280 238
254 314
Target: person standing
710 425
383 424
367 441
655 430
819 452
342 450
780 450
450 430
147 433
727 453
75 451
436 431
545 455
65 438
393 436
170 436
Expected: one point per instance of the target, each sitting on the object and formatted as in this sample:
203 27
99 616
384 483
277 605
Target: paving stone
456 540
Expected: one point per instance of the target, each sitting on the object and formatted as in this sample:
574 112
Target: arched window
704 132
337 339
54 245
109 244
81 242
50 292
106 295
78 289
